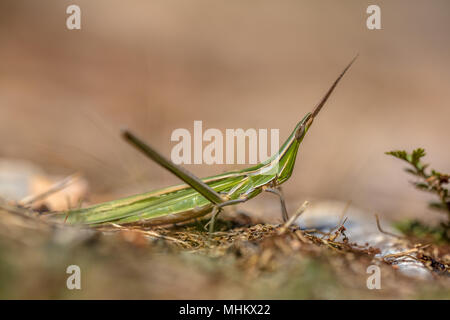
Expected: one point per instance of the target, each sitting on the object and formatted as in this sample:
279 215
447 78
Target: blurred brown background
154 66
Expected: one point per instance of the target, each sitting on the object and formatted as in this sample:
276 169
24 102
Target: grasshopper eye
302 128
300 132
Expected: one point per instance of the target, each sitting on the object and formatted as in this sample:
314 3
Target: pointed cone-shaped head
288 151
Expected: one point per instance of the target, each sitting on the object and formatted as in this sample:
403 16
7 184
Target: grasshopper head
303 126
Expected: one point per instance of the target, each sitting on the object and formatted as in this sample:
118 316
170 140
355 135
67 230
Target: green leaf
437 205
417 155
401 154
411 171
422 186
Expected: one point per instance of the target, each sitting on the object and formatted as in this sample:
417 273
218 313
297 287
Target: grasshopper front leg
218 208
277 190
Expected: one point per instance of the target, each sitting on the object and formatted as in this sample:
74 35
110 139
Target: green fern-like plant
428 180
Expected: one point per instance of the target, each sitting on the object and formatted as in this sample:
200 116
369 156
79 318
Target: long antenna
327 95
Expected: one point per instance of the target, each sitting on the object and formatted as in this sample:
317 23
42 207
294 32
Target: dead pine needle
294 217
385 232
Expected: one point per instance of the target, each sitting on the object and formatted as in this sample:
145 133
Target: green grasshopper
199 197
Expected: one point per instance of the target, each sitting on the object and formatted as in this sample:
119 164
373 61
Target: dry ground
239 261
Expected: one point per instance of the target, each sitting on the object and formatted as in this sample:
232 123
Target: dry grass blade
294 217
151 233
401 254
29 200
342 220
